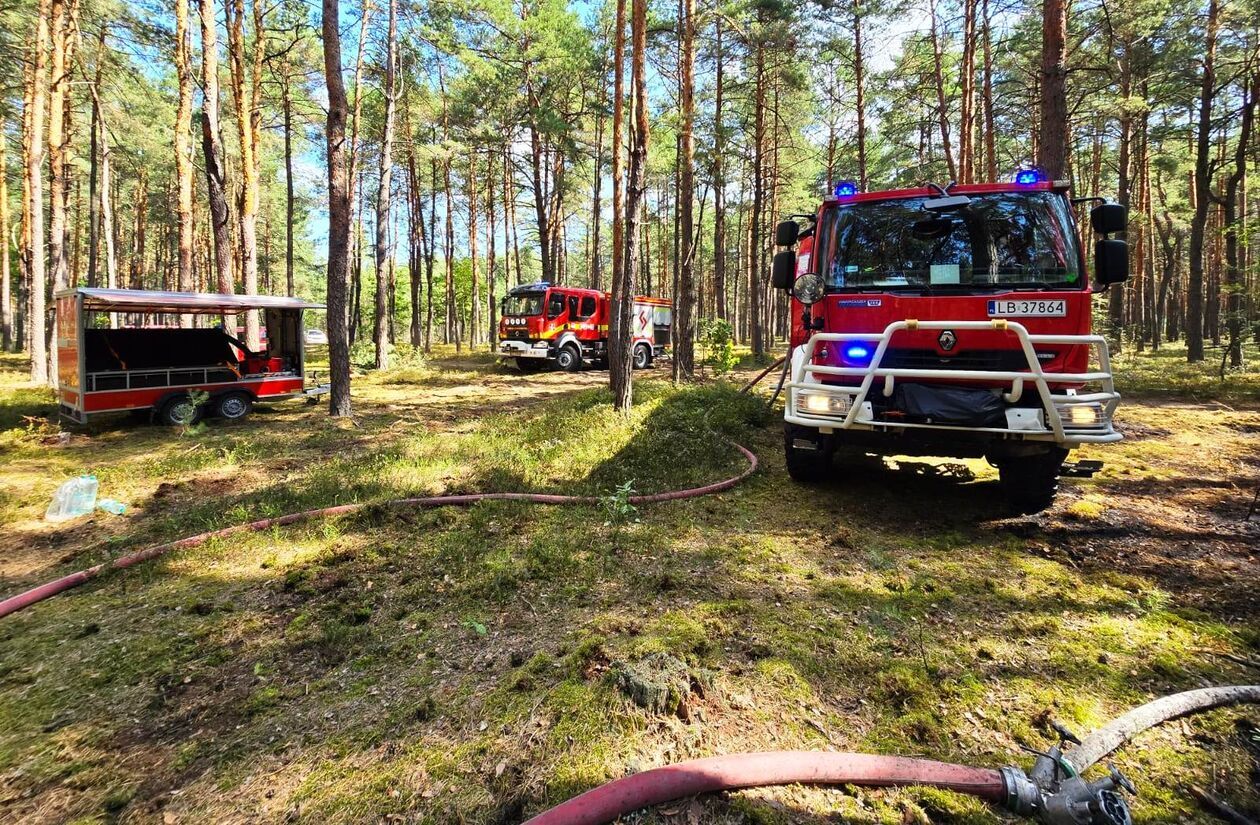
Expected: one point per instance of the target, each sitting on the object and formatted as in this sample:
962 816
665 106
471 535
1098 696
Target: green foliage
718 338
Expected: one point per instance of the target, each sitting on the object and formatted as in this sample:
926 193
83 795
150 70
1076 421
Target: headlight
1083 415
540 345
823 404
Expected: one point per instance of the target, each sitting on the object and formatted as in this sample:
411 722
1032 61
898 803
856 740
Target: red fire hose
52 588
749 770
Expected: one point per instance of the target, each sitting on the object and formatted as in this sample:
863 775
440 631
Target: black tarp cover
147 349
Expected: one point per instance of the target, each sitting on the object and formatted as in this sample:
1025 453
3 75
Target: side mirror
1109 217
1111 261
783 271
787 233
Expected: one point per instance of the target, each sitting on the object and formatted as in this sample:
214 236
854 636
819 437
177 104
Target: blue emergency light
846 189
858 353
1028 177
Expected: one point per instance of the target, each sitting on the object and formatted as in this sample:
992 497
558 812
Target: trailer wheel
642 357
233 406
569 359
1031 482
529 365
180 411
806 466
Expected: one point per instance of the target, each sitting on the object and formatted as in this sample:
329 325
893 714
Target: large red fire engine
950 321
568 326
121 350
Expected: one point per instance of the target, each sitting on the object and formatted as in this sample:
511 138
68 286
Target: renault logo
947 340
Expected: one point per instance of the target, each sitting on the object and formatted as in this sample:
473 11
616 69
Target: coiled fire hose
37 594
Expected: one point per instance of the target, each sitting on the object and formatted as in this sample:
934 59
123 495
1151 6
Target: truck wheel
179 411
529 365
806 466
1031 482
569 359
233 406
642 357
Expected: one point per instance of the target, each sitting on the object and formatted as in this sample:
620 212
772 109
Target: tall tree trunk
938 75
383 194
624 230
286 97
756 216
1235 284
990 137
6 295
492 307
183 151
338 213
430 255
719 179
967 95
474 308
1052 144
94 135
212 149
1202 189
58 168
685 299
243 87
595 281
1124 164
859 90
37 314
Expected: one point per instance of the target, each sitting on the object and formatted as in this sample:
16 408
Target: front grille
1005 360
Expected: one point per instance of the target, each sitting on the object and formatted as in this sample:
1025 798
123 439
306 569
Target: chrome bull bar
857 413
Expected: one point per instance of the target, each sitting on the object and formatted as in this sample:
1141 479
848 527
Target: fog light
1084 415
820 404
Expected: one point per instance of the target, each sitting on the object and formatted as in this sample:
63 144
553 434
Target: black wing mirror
783 270
1107 218
787 233
1111 261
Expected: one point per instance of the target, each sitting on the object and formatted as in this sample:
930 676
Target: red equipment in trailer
164 368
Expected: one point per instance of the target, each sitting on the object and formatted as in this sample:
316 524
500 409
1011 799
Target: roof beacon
846 189
1028 177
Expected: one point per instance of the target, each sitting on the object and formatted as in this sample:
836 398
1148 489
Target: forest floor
461 665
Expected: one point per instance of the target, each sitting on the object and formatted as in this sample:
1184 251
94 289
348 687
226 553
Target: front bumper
523 349
1066 418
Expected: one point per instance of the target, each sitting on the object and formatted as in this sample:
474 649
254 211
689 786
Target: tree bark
212 149
474 308
756 216
243 95
37 313
1235 284
383 194
1202 189
58 169
286 94
183 152
942 110
685 299
338 213
625 217
859 84
719 179
1052 144
6 295
990 137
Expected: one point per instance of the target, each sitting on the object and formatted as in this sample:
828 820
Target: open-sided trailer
155 365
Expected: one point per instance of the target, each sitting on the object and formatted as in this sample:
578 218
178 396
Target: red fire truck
121 350
568 326
950 321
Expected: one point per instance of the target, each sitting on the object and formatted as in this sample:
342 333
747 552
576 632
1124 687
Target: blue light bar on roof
846 189
1027 177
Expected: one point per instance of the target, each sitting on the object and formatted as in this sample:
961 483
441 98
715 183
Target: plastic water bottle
74 498
112 506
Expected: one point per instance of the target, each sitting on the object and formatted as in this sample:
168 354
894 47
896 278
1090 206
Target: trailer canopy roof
193 303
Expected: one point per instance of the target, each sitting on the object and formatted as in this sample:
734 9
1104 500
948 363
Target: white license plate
1008 307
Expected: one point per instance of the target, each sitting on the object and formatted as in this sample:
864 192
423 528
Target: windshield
523 303
1013 239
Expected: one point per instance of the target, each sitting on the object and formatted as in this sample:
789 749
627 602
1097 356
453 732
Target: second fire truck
567 326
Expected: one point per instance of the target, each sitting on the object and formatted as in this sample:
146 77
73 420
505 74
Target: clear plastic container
74 498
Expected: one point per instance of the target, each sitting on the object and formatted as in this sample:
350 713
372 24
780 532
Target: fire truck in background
950 321
568 326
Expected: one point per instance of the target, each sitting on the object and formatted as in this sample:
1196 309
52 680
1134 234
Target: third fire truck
950 321
568 326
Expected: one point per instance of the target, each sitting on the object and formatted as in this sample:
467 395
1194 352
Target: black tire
233 406
806 466
569 359
529 365
642 357
1031 482
180 411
